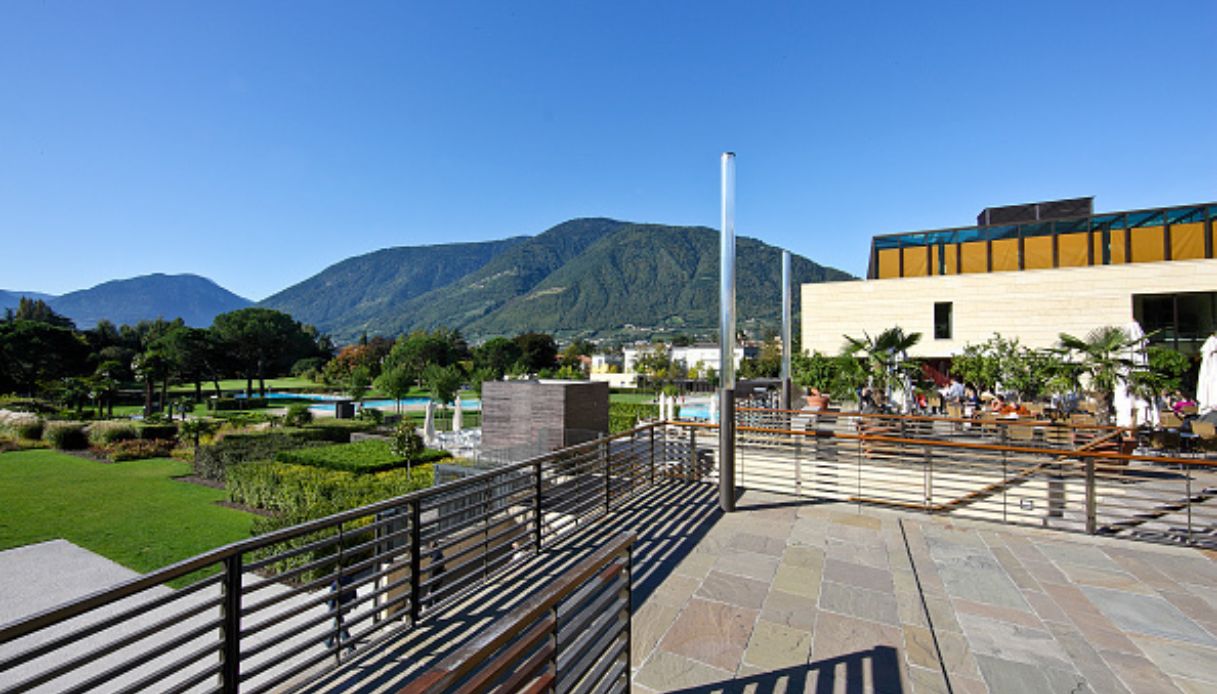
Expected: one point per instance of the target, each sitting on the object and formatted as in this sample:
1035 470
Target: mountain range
197 300
592 277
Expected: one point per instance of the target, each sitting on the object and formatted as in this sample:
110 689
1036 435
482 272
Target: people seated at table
1179 402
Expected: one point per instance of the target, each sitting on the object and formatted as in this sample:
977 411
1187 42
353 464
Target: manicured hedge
211 462
66 436
624 416
107 432
226 404
361 456
158 432
303 492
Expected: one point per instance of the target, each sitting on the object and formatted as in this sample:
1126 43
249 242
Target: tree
538 351
360 380
259 340
149 368
1102 358
38 311
497 356
35 352
444 382
884 357
395 382
838 377
105 384
190 353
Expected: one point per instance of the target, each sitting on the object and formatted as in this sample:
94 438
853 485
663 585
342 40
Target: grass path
133 513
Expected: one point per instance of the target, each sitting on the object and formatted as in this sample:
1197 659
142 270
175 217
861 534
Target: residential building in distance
1030 272
706 354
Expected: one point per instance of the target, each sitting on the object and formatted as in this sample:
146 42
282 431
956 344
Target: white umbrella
1132 410
1206 385
456 415
714 409
429 423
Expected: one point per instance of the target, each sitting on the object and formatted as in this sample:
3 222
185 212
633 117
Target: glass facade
1142 236
1181 321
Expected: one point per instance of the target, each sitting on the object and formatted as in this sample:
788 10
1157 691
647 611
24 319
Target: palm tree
884 357
1103 357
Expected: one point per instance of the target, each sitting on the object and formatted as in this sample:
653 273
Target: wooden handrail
1021 421
519 622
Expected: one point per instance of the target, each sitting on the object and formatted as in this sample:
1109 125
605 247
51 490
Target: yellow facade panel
915 262
1005 255
975 256
950 259
1187 241
1037 253
1119 247
889 263
1073 250
1148 245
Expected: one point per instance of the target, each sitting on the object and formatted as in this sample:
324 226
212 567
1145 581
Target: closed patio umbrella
456 415
1206 385
429 423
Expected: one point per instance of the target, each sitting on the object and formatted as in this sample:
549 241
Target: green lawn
133 513
633 398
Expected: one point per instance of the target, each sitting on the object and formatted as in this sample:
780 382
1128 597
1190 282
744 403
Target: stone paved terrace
787 595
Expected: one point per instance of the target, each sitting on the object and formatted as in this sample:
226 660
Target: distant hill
357 293
590 277
10 299
197 300
653 276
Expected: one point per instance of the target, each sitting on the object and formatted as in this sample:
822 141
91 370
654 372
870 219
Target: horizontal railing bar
457 665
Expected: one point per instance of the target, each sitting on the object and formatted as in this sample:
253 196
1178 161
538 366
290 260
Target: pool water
323 400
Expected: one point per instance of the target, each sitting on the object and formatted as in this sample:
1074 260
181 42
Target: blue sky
258 142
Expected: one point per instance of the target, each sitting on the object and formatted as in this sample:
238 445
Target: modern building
1031 272
706 354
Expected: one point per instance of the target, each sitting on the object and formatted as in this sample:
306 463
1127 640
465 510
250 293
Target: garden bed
361 457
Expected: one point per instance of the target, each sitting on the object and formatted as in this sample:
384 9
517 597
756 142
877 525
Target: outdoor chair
1171 421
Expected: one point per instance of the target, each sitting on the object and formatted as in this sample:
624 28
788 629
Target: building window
942 320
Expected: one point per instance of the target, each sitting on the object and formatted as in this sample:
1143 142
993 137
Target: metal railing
277 609
1081 478
573 636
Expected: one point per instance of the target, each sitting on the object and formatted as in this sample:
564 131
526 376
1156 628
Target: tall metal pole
787 345
726 340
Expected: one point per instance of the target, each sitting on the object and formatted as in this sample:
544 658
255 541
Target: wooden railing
573 636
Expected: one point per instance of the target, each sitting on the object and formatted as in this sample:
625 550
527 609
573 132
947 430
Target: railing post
538 509
651 431
1091 501
608 488
230 666
1187 476
416 550
693 468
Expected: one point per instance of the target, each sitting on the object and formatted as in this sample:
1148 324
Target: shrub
371 414
150 432
298 415
304 492
138 449
406 442
66 436
104 433
360 457
22 424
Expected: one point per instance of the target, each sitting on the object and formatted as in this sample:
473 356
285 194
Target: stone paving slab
791 595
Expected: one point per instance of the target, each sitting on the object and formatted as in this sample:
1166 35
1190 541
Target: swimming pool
323 400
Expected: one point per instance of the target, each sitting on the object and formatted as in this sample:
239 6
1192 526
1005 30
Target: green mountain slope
358 294
197 300
652 276
510 274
